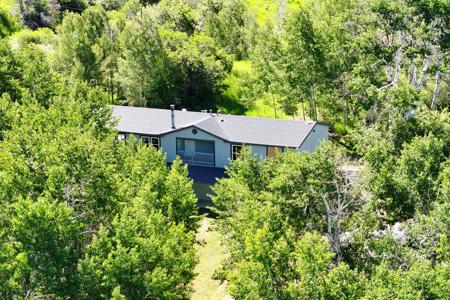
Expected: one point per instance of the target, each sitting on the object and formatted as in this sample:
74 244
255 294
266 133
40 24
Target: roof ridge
186 125
272 119
220 114
223 135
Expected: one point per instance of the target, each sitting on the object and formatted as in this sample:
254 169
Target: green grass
263 9
211 253
263 108
268 9
7 5
44 37
9 18
233 100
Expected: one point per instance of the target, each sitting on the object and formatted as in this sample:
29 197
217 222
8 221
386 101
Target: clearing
210 252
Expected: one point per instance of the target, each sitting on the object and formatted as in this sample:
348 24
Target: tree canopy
365 216
76 205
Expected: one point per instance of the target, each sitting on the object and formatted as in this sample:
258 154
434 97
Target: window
120 137
204 146
151 141
235 151
272 151
155 142
145 140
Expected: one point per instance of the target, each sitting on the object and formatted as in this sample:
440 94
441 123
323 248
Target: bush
42 36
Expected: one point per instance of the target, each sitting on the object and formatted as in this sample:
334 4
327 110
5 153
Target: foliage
387 221
228 23
141 253
42 36
48 237
77 37
85 216
45 13
27 74
265 206
9 22
68 190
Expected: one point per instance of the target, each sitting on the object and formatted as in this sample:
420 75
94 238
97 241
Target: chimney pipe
172 115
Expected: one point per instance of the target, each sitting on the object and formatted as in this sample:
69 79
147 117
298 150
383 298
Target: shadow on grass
230 105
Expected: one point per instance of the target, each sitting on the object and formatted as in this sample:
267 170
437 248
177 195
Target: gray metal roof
237 129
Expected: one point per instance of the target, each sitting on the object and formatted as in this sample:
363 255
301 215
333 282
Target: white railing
198 158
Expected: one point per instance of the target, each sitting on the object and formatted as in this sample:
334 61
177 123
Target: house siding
318 134
260 151
222 148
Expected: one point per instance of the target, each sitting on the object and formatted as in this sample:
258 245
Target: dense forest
365 216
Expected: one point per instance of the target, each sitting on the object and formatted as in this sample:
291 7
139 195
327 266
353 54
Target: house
207 141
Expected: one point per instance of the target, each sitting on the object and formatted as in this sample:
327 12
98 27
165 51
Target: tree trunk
426 65
412 73
21 10
313 104
398 60
389 74
186 88
303 110
437 90
346 111
111 86
437 85
274 105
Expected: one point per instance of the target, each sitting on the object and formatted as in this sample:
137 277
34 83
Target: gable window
151 141
272 151
235 151
120 137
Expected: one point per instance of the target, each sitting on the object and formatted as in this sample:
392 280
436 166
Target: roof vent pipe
172 115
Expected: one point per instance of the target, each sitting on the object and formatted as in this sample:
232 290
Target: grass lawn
210 253
9 18
268 9
263 9
7 5
262 108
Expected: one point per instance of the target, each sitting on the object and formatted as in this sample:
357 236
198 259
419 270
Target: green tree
312 259
78 36
200 66
267 59
49 237
9 71
26 74
228 23
68 189
142 253
419 167
144 66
